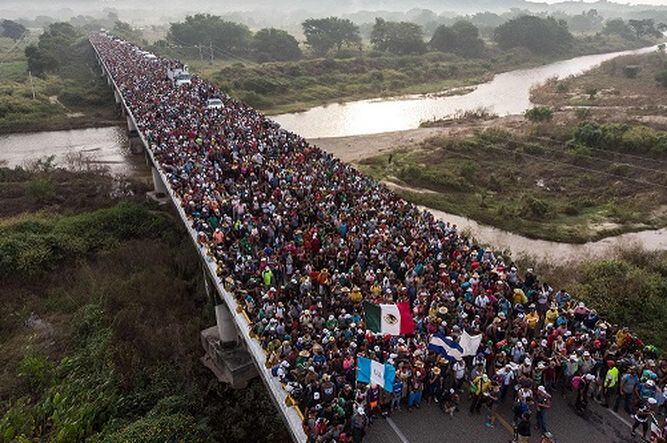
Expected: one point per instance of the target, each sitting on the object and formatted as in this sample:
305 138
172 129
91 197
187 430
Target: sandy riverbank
358 147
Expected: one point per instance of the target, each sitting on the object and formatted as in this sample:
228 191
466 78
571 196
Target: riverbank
618 90
496 173
102 305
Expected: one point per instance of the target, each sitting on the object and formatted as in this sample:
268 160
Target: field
538 187
75 97
101 304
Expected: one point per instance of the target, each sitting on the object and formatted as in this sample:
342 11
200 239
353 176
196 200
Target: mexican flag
389 319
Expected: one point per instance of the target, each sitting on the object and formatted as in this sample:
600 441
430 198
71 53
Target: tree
11 29
211 30
398 37
325 34
540 35
40 61
126 32
462 38
54 48
618 27
275 44
644 28
589 21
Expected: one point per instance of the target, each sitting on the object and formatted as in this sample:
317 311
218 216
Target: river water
108 147
653 240
508 93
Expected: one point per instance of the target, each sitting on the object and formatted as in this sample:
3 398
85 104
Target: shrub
36 245
627 294
631 71
539 114
41 189
620 168
533 207
661 78
591 91
468 170
255 100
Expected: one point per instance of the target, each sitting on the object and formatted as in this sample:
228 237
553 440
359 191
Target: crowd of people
302 239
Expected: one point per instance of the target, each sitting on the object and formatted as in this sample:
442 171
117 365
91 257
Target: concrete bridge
231 353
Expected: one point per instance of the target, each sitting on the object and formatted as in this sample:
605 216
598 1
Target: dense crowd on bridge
302 239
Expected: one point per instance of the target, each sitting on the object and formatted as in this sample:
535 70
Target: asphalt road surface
429 424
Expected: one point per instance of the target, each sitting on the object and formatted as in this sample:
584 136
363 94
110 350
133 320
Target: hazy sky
632 2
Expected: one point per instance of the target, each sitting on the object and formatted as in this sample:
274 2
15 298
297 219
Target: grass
514 183
101 328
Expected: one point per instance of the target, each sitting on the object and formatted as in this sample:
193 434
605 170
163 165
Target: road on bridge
429 424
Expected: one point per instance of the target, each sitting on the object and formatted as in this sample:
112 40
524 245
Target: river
508 93
108 147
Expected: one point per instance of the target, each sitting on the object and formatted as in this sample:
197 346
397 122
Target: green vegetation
276 87
629 85
68 92
567 189
540 35
339 67
100 315
11 29
636 139
275 44
462 38
628 287
206 29
325 34
399 38
539 114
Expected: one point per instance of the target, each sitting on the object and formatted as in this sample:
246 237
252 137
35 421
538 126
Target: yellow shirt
532 319
551 315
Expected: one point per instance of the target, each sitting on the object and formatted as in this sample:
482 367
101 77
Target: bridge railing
291 415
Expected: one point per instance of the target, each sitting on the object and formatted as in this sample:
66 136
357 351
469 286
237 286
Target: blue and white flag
446 347
371 371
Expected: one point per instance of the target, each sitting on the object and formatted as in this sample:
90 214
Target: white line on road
617 415
398 432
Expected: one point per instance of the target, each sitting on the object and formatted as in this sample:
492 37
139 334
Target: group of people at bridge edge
302 239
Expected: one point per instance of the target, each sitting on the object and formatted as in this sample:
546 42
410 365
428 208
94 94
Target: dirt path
357 147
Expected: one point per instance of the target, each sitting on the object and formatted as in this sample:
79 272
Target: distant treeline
206 35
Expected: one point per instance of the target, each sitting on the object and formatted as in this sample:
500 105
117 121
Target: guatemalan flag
389 319
371 371
446 347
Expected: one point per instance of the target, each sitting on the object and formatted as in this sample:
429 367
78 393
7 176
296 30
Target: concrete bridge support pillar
131 127
225 323
158 185
135 144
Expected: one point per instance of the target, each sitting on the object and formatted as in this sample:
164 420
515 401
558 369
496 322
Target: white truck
179 76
